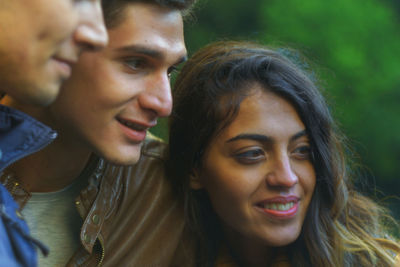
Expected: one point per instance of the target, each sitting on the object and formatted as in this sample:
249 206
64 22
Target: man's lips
64 65
69 61
135 125
135 131
279 206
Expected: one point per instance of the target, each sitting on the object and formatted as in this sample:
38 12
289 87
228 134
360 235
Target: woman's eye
302 152
250 156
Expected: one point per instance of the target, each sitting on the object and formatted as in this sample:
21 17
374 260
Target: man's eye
135 63
250 156
172 70
302 152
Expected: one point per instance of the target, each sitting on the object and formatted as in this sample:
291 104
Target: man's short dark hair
113 9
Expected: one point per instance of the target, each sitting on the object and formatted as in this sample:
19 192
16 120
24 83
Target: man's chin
126 162
122 158
40 95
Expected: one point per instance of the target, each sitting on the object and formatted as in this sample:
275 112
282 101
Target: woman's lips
281 207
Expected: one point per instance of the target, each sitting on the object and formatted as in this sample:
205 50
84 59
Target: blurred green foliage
355 46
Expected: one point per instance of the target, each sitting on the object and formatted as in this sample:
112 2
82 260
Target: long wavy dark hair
342 227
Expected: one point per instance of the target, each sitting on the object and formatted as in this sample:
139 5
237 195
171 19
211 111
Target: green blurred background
355 45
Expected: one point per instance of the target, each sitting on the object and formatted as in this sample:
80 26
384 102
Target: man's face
115 95
40 40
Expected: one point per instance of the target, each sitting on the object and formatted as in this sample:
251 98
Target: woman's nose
280 173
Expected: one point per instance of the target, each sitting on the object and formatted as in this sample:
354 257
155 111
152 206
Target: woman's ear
195 182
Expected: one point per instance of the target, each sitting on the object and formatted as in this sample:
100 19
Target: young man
94 207
39 42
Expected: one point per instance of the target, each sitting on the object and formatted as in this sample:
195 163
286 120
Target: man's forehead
149 13
154 32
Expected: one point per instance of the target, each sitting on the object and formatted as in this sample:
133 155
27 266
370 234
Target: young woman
256 157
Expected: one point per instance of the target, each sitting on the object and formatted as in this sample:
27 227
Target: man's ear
195 182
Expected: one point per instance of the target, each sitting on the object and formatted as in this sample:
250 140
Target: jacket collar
21 135
98 199
94 202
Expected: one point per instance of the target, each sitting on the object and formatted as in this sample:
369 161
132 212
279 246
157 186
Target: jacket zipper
102 253
81 211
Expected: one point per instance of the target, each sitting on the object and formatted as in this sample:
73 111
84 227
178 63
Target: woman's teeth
279 206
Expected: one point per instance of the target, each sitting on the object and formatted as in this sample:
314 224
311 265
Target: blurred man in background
40 41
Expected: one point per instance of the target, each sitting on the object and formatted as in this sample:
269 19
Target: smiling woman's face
258 172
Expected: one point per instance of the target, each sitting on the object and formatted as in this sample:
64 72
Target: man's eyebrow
153 53
139 49
181 60
264 138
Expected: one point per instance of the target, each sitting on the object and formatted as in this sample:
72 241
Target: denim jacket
20 135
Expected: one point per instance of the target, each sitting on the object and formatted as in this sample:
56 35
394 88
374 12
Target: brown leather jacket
130 215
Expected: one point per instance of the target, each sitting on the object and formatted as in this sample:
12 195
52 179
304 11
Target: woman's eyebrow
249 136
298 135
264 138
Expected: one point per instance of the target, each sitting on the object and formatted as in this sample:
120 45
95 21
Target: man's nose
91 33
157 97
